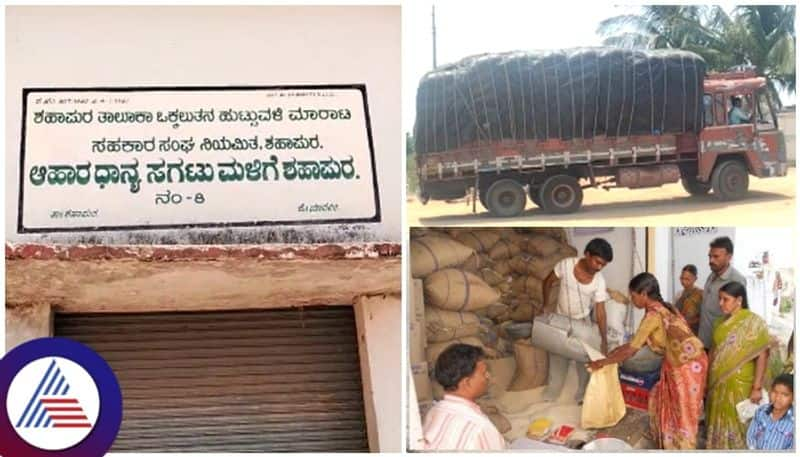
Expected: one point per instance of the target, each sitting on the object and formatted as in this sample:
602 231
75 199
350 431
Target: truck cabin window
720 109
740 110
765 116
708 110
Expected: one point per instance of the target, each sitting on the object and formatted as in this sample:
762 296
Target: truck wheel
561 194
482 199
424 197
533 193
695 187
730 180
505 198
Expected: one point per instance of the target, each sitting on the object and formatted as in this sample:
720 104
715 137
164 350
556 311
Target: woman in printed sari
676 400
688 302
738 364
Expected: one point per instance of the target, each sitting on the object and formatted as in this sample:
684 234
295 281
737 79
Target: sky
465 28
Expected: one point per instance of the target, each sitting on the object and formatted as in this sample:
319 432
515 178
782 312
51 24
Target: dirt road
770 202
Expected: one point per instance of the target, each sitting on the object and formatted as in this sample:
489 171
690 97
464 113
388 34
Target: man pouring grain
581 296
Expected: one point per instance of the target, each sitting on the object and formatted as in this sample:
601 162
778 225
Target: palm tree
762 37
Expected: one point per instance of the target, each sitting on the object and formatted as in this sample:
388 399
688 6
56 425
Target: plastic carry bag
603 404
746 409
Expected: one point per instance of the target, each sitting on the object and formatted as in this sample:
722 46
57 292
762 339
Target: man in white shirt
456 423
581 295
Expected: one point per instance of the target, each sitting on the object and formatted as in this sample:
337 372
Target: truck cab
740 135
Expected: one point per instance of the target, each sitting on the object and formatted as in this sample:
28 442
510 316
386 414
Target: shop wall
625 241
690 245
382 317
211 46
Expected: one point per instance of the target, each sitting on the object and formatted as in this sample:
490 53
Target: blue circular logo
58 398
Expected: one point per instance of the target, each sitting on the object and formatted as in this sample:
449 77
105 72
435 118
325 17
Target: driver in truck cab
737 115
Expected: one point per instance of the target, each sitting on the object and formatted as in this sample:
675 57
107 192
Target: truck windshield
765 116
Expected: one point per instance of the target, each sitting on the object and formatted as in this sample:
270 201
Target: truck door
770 144
720 138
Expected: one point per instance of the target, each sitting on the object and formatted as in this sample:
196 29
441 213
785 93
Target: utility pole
433 26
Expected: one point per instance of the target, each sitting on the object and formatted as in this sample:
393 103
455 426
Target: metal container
644 361
519 330
638 177
562 336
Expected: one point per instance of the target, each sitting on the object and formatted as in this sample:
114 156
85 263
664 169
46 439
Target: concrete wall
787 120
26 323
623 241
178 46
42 280
382 319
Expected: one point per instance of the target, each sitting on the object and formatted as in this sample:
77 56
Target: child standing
772 427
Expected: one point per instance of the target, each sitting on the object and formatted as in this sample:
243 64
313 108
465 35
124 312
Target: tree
762 37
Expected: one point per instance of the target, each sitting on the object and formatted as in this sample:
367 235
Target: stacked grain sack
477 283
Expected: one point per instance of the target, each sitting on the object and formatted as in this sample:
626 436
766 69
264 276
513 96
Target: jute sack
498 312
442 325
433 350
502 370
523 312
417 232
503 288
531 369
504 249
492 277
519 264
434 252
479 240
603 404
567 251
458 290
541 245
438 390
502 267
539 267
510 234
529 285
476 262
558 234
500 422
618 296
504 347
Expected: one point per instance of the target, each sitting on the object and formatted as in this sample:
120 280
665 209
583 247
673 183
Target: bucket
644 361
607 445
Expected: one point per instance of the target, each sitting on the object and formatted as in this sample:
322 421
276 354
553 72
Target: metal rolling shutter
251 381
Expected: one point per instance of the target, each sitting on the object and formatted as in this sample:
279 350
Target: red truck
718 157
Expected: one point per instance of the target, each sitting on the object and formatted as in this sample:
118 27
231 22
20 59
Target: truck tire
482 199
561 194
533 193
506 198
695 187
730 180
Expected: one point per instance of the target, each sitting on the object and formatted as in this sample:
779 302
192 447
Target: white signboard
171 157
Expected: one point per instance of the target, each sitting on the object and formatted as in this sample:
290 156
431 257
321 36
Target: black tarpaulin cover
566 94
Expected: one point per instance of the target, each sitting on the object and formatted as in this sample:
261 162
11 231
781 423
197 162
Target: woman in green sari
738 363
